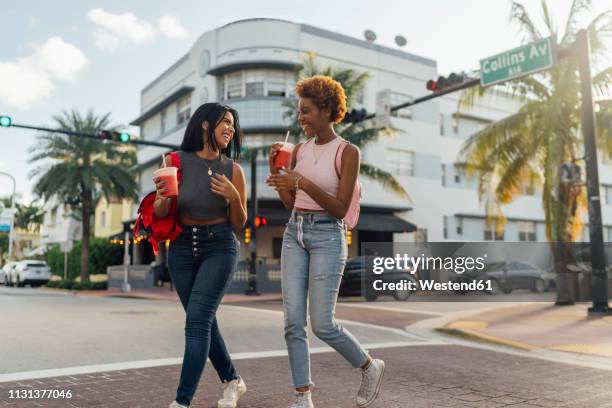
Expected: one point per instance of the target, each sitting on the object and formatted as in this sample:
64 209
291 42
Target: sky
98 55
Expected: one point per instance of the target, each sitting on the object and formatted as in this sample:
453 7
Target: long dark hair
213 113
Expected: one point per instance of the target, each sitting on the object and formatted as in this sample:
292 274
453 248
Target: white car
5 273
34 273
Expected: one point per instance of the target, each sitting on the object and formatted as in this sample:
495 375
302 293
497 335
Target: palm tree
360 134
532 144
83 169
29 217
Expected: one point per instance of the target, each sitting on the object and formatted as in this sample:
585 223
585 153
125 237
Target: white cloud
171 26
30 80
112 30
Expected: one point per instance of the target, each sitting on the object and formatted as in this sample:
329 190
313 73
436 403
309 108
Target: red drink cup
168 175
283 157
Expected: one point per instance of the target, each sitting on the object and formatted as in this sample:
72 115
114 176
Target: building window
441 124
103 219
183 110
527 231
459 226
255 82
492 232
455 124
608 194
459 172
445 227
444 175
258 82
398 99
400 162
163 116
53 216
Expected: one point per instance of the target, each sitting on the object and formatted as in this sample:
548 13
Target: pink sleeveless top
318 164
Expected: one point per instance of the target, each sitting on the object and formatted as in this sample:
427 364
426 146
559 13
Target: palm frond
520 16
602 82
576 9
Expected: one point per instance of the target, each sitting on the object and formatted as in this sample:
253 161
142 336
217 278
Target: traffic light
247 235
122 137
260 221
5 121
443 83
355 115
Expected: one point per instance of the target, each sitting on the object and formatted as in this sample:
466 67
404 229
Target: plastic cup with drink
283 157
168 175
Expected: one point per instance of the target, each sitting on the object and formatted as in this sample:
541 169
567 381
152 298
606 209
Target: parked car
507 276
359 268
32 272
5 273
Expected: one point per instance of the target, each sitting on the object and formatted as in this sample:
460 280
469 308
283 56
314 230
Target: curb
475 335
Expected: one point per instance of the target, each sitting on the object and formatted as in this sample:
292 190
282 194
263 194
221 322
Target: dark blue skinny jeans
201 262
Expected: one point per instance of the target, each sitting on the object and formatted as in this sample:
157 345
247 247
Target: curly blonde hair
325 92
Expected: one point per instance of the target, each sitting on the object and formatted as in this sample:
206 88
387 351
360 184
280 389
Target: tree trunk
86 223
566 280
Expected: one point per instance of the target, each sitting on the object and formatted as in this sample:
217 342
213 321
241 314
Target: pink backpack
352 215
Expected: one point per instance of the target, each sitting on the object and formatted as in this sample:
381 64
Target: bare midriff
307 210
187 220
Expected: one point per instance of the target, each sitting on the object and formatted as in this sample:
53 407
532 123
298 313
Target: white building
249 65
58 226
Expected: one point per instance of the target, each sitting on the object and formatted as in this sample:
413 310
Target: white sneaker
177 405
303 400
232 391
370 383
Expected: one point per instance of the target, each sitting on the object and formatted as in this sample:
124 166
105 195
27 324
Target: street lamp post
10 249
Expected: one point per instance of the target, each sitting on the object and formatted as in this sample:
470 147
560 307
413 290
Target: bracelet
297 182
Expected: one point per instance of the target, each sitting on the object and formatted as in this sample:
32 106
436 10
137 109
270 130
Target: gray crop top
195 198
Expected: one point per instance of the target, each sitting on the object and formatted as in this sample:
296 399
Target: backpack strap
339 152
175 159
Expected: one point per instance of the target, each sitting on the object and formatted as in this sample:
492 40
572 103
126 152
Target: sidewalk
415 377
539 326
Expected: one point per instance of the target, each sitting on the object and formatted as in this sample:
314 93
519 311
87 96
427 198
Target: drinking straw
287 137
163 160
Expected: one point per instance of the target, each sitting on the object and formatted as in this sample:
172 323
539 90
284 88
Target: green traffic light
5 121
125 137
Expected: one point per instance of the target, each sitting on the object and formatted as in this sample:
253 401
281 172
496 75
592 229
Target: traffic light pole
599 283
252 289
92 136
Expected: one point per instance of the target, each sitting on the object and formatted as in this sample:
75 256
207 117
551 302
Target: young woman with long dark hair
211 203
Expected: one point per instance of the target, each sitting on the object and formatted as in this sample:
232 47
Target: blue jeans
201 262
312 262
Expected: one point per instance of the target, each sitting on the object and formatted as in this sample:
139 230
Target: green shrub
101 254
72 285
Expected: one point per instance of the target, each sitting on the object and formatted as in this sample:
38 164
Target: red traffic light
105 135
260 221
436 85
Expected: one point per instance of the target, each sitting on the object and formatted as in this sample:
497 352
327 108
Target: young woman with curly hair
314 247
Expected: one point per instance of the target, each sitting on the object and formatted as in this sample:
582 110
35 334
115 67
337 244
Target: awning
384 223
238 66
367 221
37 251
158 107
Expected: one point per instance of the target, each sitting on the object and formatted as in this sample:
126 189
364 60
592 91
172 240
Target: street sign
383 108
517 62
6 219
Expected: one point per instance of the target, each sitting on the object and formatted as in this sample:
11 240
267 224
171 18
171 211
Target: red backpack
152 227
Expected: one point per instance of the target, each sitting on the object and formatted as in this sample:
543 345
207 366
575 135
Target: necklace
210 172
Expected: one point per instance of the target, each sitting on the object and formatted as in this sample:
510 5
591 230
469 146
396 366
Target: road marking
393 309
399 332
130 365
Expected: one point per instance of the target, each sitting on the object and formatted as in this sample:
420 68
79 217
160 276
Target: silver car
32 272
5 273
